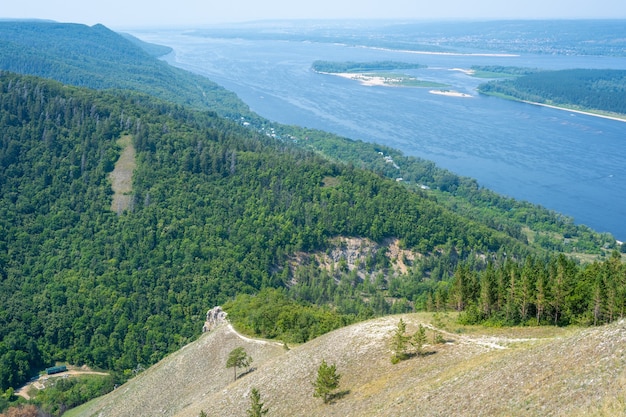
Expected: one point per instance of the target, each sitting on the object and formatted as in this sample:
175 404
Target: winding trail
248 339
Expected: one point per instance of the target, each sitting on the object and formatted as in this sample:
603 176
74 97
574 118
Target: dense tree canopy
592 89
216 209
96 57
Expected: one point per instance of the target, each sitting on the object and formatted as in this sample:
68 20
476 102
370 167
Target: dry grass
480 372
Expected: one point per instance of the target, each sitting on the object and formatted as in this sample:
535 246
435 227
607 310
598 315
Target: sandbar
464 71
450 93
366 79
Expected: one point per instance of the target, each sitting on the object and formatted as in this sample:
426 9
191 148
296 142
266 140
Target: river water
572 163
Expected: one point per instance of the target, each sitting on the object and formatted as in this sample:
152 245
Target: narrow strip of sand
616 118
450 93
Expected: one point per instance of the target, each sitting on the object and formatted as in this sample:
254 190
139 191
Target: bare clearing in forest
122 176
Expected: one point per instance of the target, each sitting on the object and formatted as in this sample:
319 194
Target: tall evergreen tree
486 298
256 406
540 296
326 382
399 343
418 340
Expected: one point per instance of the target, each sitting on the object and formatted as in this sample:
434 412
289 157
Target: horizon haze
122 14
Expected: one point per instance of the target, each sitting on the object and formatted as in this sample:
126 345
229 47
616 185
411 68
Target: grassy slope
528 371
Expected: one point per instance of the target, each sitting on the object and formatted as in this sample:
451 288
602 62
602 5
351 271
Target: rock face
214 317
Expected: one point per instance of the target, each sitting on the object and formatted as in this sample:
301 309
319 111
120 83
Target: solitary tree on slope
238 358
327 381
256 406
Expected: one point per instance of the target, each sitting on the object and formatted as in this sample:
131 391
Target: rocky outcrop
214 317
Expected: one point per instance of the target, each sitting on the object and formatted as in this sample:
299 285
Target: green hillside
296 239
96 57
219 211
216 210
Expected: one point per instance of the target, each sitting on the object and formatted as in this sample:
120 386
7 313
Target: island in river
377 73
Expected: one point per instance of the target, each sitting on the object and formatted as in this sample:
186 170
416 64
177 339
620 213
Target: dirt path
248 339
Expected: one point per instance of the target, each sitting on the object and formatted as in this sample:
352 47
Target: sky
119 14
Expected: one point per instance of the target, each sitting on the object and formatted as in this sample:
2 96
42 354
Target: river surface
572 163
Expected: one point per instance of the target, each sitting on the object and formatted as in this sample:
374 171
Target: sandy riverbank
619 119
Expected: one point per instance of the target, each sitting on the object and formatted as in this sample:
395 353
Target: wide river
572 163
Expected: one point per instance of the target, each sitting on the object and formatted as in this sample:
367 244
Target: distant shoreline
408 51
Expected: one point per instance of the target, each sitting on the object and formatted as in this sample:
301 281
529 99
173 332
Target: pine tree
327 381
419 340
460 287
398 343
487 291
238 358
540 296
256 406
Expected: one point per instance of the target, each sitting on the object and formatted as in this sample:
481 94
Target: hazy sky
137 13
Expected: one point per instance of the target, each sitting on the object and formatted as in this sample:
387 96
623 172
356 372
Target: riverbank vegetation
579 89
498 71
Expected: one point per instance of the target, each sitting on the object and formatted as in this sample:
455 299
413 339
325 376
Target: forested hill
99 58
582 89
216 210
96 57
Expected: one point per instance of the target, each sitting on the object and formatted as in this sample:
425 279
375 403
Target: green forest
582 89
219 212
216 209
98 58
